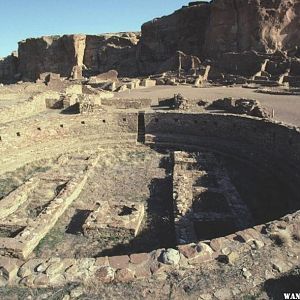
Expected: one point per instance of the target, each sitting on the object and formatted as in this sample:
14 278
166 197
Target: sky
21 19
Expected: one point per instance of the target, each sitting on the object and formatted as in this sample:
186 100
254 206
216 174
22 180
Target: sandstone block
105 274
139 258
119 262
8 270
124 275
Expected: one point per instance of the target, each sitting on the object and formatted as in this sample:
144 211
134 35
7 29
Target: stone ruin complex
214 216
98 188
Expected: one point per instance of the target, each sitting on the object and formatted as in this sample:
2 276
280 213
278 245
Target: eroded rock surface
191 34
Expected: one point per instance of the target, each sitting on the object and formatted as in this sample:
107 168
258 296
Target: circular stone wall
250 145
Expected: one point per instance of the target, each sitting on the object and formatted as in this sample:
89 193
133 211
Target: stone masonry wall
270 144
31 106
223 132
32 139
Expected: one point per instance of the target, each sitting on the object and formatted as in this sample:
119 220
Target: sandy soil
286 107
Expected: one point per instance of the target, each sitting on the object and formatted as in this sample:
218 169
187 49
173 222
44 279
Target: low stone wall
204 197
127 103
32 139
17 197
27 108
125 268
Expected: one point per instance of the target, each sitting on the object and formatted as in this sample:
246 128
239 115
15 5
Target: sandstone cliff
204 30
8 68
111 51
184 30
57 54
261 25
69 55
208 30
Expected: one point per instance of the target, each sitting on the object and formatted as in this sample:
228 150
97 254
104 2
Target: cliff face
50 54
184 30
69 55
111 51
208 30
8 69
261 25
202 29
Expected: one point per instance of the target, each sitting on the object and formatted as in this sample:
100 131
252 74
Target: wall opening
141 127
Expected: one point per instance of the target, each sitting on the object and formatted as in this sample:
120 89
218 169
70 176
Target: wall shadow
158 230
288 284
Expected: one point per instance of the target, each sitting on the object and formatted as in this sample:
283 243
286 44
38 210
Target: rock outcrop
8 68
224 31
72 55
56 54
261 25
111 52
208 30
184 30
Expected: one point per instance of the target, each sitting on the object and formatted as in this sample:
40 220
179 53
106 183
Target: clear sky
21 19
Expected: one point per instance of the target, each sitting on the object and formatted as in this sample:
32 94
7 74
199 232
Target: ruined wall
32 106
40 138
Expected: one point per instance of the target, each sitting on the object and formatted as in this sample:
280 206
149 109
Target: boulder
171 257
111 75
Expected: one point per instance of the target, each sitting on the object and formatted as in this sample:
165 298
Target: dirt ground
137 174
286 107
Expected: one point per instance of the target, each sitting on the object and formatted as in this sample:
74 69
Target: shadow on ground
290 283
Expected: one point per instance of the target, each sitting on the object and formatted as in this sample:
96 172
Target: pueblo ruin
160 164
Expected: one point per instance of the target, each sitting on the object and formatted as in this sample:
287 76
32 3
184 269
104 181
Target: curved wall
267 144
273 145
48 135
